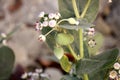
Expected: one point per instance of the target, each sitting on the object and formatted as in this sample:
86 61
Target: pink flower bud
45 23
41 14
52 23
37 26
42 38
51 15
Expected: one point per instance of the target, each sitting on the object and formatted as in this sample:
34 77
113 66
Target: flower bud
24 76
51 15
52 23
113 74
116 66
41 14
73 21
91 43
42 38
45 23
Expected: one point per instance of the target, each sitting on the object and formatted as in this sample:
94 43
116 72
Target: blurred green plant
68 36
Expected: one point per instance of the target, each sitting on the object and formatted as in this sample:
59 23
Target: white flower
91 29
51 15
45 18
110 1
30 74
91 43
42 38
4 42
57 15
37 26
45 23
113 74
44 75
116 66
38 70
24 76
3 35
35 75
41 14
52 23
91 33
119 72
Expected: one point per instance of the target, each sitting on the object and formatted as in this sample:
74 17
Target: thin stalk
86 77
85 9
80 30
50 31
72 52
81 43
75 9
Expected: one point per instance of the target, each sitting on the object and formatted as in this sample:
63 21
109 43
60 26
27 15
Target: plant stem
72 52
86 77
85 9
80 30
75 9
81 43
50 31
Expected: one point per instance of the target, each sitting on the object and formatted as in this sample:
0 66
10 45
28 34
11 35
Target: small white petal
91 29
41 14
37 26
30 74
45 23
38 70
52 23
24 76
91 33
45 18
35 75
3 35
44 75
116 66
51 15
41 38
4 42
113 74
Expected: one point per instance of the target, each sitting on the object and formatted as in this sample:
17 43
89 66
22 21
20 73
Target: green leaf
64 39
7 59
101 75
66 9
59 52
97 63
68 77
82 24
50 38
99 42
65 64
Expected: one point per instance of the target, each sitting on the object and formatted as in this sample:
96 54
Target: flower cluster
46 20
37 75
115 73
91 33
4 40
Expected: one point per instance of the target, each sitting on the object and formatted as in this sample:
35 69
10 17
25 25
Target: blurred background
21 15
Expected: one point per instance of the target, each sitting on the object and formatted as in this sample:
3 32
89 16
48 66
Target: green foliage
7 59
59 52
97 63
68 77
65 64
66 9
64 39
82 24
